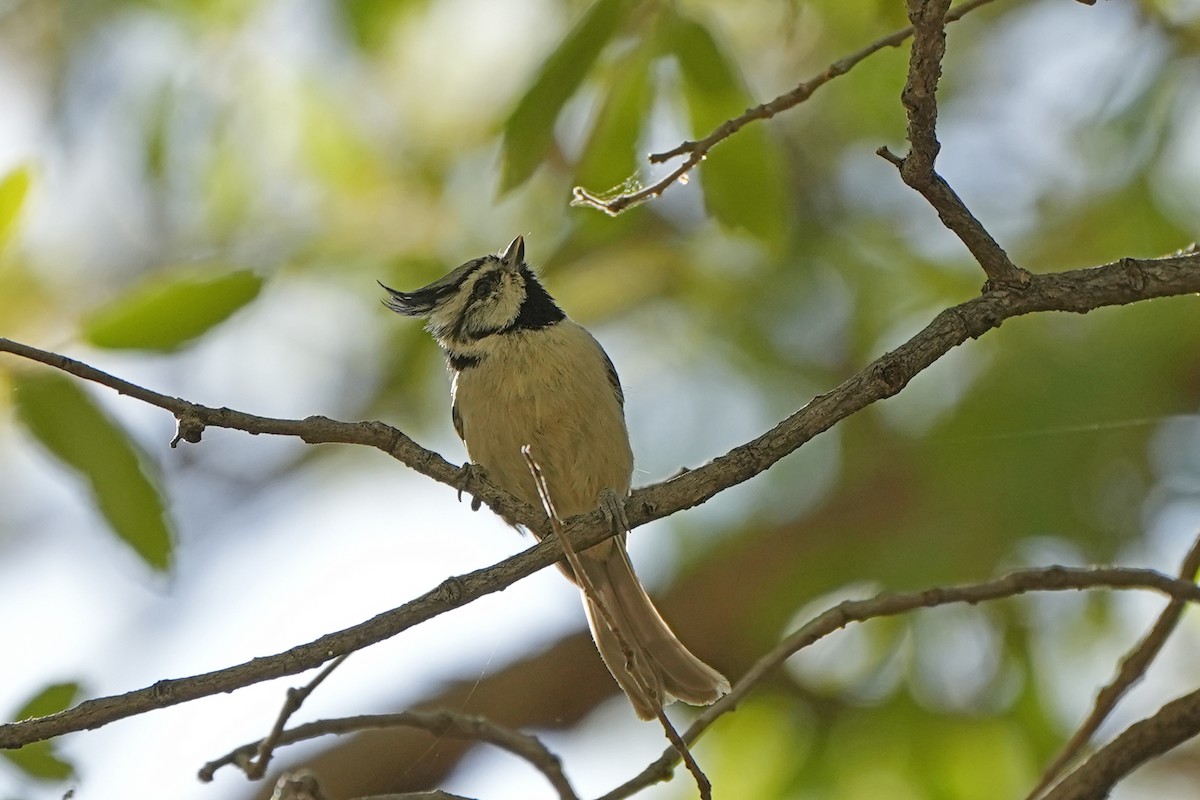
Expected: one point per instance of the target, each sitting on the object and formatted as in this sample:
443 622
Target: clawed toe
468 476
613 510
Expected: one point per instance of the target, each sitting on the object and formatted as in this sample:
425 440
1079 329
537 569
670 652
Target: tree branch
917 168
256 765
444 724
1170 726
696 151
1079 291
889 604
193 418
1132 668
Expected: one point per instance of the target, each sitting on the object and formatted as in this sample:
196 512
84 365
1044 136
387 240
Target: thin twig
703 784
697 150
917 168
585 581
1131 670
193 418
444 724
1125 281
1172 725
593 596
256 767
889 604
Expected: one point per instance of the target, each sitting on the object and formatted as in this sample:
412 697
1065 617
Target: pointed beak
411 304
514 255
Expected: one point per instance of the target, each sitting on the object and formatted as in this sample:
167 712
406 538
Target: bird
523 374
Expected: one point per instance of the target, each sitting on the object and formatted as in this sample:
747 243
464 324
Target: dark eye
485 285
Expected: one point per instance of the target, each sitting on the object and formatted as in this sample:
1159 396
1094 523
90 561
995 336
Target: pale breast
549 389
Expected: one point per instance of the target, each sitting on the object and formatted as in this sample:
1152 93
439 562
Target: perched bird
525 374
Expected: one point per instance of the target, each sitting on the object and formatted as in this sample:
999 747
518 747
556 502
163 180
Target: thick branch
1079 291
917 168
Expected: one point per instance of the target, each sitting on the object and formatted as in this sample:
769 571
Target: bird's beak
514 255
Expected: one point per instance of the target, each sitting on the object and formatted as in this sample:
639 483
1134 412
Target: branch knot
189 428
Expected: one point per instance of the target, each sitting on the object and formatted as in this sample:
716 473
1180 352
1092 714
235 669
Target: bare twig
697 150
1125 281
256 767
1171 726
444 724
585 583
1131 670
917 168
193 418
888 604
703 785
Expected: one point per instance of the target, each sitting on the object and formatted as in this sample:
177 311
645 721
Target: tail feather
654 668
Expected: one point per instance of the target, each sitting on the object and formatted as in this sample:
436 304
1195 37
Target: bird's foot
613 509
469 476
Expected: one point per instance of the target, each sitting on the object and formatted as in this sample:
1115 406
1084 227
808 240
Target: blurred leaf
157 123
38 760
371 22
51 700
334 146
1126 221
170 309
66 421
743 175
13 189
529 130
759 749
611 152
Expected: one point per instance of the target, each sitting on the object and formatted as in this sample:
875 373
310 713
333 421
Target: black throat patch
459 362
539 309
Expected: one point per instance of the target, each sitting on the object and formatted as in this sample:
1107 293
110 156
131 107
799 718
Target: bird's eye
485 285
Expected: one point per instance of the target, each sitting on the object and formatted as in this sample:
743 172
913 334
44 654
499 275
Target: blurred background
199 197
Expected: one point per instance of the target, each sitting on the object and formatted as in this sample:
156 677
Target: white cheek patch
494 313
443 319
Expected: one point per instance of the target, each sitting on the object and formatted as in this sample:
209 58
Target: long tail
656 669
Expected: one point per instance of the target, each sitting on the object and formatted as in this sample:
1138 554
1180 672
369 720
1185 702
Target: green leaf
13 189
372 23
529 130
39 760
611 153
168 310
743 175
66 421
51 700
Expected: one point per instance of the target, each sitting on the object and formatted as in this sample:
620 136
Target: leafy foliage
339 149
529 130
39 760
73 428
744 187
13 188
171 308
